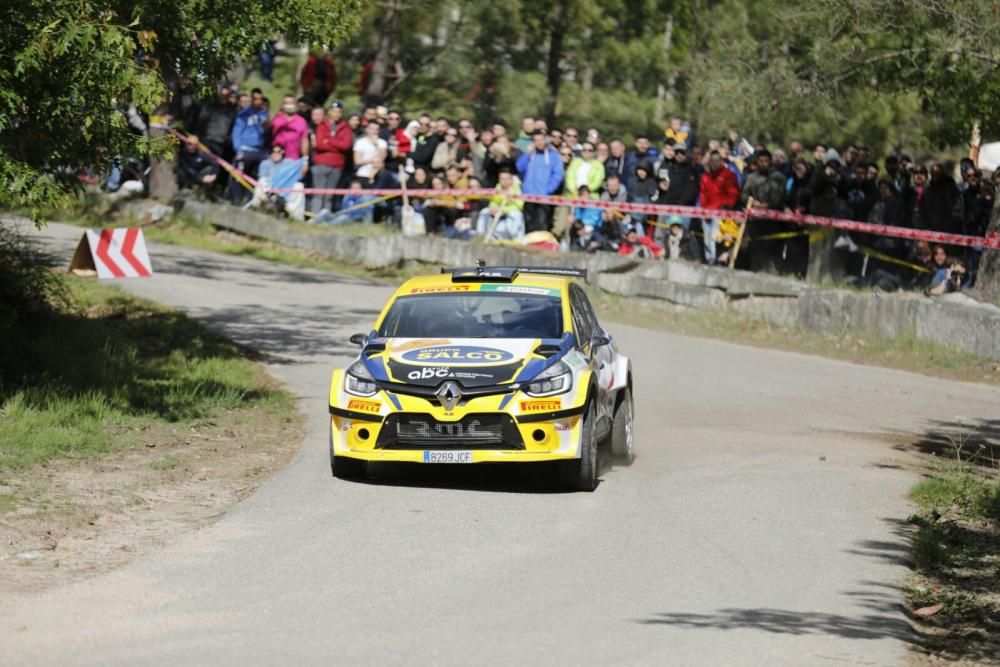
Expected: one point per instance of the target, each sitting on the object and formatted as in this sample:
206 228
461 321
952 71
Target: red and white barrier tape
239 175
991 241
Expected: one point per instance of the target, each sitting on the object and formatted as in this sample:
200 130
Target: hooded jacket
248 130
644 189
684 183
541 173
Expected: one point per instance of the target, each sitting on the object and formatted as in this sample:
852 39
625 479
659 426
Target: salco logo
364 406
540 406
458 354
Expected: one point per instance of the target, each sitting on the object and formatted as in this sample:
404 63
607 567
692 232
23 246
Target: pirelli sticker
540 406
371 407
442 288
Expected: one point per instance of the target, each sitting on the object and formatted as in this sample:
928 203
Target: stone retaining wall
953 321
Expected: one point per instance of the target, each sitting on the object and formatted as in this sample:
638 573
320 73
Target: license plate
448 457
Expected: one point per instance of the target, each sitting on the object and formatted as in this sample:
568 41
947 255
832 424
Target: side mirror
359 338
596 341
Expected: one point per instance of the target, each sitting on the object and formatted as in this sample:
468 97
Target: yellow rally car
486 364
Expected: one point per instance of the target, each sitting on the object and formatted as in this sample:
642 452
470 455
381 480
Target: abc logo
428 373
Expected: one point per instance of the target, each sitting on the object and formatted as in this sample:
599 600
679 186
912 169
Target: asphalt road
760 524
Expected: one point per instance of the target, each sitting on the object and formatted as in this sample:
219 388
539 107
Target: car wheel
581 474
346 468
623 430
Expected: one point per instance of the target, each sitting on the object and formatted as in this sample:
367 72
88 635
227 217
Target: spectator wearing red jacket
640 247
332 145
719 190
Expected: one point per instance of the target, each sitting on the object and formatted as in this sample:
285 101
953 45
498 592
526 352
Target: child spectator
680 244
352 208
507 212
585 232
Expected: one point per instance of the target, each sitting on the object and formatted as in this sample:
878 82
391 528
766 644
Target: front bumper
379 428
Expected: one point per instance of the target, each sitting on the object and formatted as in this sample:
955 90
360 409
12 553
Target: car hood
472 362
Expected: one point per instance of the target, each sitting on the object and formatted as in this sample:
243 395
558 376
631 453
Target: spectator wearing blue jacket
352 208
541 171
249 141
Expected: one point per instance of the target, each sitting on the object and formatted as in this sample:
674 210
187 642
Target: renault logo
449 395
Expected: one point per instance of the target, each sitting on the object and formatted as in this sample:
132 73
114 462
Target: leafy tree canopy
887 72
70 69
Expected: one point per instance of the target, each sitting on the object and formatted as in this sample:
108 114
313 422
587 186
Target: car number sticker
463 456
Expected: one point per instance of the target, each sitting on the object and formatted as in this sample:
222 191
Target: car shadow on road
286 334
976 441
880 612
217 266
871 625
531 478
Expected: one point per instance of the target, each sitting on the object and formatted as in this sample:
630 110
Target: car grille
477 431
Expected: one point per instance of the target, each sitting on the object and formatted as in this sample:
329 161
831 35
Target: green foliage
78 367
884 72
69 69
963 488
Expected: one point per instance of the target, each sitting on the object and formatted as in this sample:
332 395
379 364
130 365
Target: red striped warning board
112 253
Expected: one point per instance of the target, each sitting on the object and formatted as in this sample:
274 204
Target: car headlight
556 379
359 380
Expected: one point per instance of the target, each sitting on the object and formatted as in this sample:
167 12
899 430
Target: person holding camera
953 277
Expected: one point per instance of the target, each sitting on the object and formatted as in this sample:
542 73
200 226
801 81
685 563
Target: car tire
623 430
346 468
581 474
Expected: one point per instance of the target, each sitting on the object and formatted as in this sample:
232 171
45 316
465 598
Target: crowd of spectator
301 144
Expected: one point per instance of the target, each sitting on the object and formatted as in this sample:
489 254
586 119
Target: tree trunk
383 58
663 93
553 72
162 177
988 280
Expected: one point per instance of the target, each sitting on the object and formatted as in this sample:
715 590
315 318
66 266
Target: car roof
444 283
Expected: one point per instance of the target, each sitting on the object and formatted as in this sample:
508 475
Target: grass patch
956 554
89 375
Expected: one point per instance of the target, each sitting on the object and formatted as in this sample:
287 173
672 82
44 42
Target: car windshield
474 315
